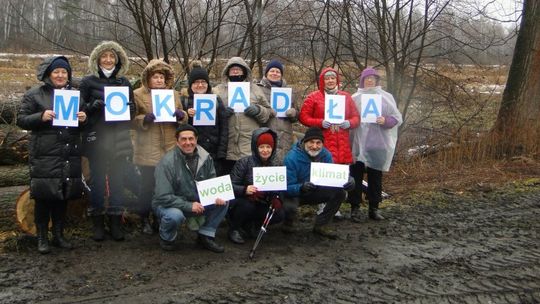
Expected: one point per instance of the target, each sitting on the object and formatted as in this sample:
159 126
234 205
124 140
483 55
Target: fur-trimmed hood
236 61
158 65
123 60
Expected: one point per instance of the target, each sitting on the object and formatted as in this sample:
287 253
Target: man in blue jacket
301 191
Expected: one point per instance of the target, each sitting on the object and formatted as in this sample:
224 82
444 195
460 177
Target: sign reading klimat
211 189
331 175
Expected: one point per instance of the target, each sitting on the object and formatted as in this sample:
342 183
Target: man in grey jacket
175 194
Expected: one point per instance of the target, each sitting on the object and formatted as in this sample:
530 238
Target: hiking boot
43 238
236 237
375 215
208 243
58 237
167 245
356 216
325 231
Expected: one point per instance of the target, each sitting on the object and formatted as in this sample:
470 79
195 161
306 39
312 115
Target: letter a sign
371 107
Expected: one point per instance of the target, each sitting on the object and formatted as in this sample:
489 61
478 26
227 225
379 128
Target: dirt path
456 249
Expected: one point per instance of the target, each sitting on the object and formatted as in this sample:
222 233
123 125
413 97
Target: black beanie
186 127
198 72
59 62
313 133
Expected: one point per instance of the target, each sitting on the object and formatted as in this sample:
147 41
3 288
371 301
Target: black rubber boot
115 225
58 237
374 214
43 238
98 228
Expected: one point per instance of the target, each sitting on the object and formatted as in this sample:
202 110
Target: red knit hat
266 138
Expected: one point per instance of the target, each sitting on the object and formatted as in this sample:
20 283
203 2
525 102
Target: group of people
172 157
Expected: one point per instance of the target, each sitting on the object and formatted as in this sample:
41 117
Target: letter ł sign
65 107
281 100
211 189
270 178
238 95
334 108
163 105
116 103
371 107
205 106
331 175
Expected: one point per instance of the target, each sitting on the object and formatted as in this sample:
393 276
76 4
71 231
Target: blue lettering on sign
275 97
204 106
239 97
64 111
331 107
124 103
163 104
371 108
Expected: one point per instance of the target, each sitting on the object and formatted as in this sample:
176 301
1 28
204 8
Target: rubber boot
374 214
58 237
43 238
98 228
115 225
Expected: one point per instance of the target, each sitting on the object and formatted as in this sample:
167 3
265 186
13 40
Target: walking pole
265 223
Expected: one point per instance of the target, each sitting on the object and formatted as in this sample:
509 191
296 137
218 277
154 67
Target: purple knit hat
368 72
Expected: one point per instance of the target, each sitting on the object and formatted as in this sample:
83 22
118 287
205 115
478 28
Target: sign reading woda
270 178
331 175
211 189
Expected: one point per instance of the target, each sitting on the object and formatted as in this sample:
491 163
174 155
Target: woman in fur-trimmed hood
107 144
152 140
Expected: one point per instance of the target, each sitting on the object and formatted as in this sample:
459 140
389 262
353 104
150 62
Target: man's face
187 142
313 147
236 71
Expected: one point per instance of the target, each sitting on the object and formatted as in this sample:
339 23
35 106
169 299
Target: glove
97 105
149 118
276 202
345 124
252 111
179 114
291 113
257 196
229 111
326 124
308 187
349 186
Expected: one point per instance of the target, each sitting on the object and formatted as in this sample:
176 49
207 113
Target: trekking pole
265 223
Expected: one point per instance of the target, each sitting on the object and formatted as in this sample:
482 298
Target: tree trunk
518 125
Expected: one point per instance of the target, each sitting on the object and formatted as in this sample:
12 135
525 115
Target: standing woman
55 158
152 140
107 144
283 126
373 146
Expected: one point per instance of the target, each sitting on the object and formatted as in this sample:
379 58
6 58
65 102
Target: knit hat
265 138
273 64
185 127
198 72
59 63
368 72
313 133
330 73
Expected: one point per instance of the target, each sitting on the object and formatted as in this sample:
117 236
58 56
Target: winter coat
374 144
110 138
55 153
298 163
240 125
312 115
283 126
242 171
212 138
153 140
175 185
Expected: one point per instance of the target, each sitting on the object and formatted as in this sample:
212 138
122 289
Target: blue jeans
100 167
170 220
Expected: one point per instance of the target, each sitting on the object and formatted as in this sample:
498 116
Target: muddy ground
480 247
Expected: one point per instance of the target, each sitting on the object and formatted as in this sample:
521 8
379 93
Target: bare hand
81 116
251 189
197 208
191 112
48 115
380 120
220 202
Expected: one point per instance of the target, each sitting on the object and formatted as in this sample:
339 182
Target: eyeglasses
200 82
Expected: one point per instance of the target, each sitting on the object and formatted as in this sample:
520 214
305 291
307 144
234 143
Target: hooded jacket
240 125
242 172
153 140
335 139
110 138
55 153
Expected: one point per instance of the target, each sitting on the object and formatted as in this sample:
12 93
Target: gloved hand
276 202
149 118
326 124
308 187
179 114
252 111
345 124
229 111
96 106
291 113
257 196
349 186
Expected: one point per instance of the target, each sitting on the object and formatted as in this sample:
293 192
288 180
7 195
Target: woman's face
370 82
199 86
107 60
274 75
59 77
265 151
157 81
330 82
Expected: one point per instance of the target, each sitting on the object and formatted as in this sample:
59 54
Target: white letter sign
218 187
163 105
116 103
238 95
334 108
281 100
270 178
205 106
332 175
371 107
65 107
